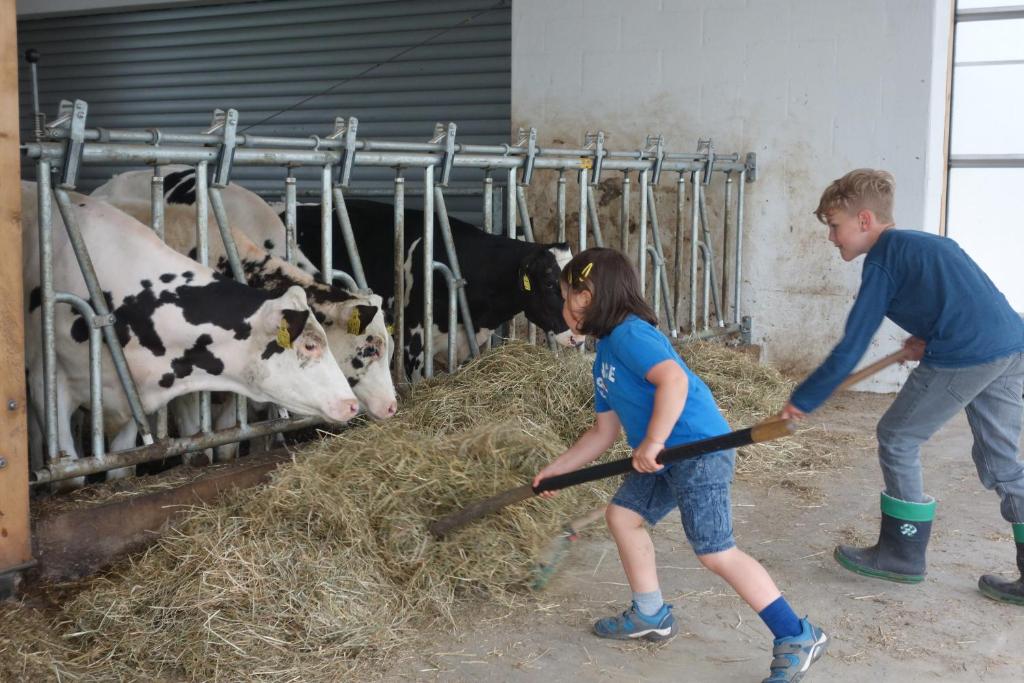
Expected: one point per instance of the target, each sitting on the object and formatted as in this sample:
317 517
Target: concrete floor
942 629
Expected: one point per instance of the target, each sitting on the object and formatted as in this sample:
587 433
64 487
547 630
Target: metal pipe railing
156 147
454 287
95 366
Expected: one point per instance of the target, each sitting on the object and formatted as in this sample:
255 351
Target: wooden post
15 540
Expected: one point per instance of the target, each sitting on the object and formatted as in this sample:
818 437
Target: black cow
504 276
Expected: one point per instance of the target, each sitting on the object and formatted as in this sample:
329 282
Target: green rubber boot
999 588
899 554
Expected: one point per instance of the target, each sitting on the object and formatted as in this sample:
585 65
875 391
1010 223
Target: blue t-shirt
623 359
931 288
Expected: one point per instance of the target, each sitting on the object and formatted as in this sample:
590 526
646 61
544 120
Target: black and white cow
357 333
245 209
184 328
504 276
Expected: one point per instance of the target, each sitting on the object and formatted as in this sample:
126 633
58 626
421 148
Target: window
985 199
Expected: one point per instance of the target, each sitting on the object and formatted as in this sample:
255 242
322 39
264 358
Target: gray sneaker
794 655
631 625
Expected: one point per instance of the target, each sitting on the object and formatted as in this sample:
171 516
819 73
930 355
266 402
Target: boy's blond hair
863 188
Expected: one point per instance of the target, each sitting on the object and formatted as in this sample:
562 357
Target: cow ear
286 312
290 327
359 317
525 283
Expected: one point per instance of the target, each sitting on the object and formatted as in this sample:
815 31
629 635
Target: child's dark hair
614 289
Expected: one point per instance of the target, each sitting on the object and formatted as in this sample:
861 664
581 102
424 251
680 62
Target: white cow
184 328
357 333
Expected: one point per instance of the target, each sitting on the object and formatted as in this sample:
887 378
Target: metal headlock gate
65 144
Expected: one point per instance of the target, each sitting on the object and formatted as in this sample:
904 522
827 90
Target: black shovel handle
765 431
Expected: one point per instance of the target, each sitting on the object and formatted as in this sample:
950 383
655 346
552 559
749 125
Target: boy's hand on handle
913 348
645 456
791 412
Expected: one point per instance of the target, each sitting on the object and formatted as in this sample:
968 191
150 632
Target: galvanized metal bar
661 275
737 280
151 136
726 235
709 256
711 333
399 271
657 262
428 273
203 256
453 319
695 184
164 154
67 469
990 13
986 161
234 261
157 218
624 214
453 263
345 224
326 226
67 211
705 309
48 296
677 251
510 229
95 367
488 208
220 216
583 208
524 213
595 222
291 248
561 206
641 254
524 217
347 281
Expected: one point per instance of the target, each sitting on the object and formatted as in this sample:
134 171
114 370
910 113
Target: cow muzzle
342 410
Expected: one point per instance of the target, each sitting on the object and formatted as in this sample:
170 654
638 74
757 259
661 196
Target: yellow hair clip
586 271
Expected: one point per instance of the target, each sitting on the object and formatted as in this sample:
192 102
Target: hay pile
330 566
330 569
748 393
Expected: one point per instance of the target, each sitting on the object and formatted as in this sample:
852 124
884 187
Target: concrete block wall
814 87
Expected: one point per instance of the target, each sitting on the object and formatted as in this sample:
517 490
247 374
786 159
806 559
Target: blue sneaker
631 625
794 655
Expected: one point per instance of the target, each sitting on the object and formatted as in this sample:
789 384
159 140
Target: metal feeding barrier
64 144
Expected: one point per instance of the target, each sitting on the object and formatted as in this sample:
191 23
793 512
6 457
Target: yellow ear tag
391 329
586 271
526 283
284 337
353 322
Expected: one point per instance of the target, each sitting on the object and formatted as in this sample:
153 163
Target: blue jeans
699 487
991 394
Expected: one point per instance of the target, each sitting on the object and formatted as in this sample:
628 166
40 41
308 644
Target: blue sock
648 604
781 619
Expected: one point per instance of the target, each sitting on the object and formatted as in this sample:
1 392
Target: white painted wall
814 87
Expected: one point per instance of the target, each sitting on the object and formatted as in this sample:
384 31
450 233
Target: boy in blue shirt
641 384
971 346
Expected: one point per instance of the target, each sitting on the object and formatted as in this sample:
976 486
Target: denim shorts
698 487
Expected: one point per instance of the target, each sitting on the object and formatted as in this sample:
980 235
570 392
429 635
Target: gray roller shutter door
169 68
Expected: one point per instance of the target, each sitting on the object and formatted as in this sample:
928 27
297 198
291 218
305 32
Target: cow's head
359 338
293 365
538 284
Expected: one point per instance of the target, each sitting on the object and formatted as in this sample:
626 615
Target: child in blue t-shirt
642 385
